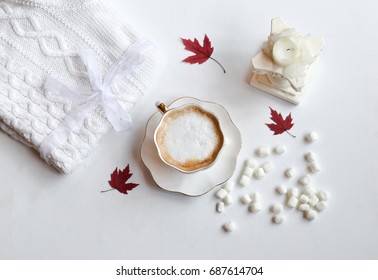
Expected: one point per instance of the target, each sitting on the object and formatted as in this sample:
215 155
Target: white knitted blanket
42 38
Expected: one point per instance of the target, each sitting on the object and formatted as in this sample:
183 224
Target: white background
47 215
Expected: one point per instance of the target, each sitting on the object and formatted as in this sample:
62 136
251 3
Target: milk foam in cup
188 138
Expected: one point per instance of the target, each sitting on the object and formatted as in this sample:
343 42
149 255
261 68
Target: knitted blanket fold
43 38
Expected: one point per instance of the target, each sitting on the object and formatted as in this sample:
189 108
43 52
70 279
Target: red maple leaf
118 180
202 53
280 124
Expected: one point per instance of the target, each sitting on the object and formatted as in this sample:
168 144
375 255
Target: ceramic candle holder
286 63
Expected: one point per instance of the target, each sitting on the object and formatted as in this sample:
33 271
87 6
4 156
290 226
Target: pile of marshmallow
305 199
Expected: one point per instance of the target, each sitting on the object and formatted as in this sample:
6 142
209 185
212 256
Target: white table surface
47 215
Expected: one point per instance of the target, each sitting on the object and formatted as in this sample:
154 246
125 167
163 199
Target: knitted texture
41 38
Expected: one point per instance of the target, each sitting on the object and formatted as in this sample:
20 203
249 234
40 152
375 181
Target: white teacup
188 138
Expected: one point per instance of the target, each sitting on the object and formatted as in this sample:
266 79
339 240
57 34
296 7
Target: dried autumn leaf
118 180
201 53
280 124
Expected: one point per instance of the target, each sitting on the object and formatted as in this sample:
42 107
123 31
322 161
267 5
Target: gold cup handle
161 106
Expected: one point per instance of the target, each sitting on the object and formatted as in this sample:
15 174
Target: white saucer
200 182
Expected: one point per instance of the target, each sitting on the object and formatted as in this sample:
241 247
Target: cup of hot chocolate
188 138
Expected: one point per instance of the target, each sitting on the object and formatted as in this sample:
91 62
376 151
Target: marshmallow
309 191
310 215
259 173
245 199
267 167
313 167
280 150
281 189
220 207
263 152
304 207
229 226
276 208
278 218
229 186
312 137
227 200
290 172
252 163
323 195
221 193
304 199
248 171
254 207
292 202
293 192
305 180
321 206
244 180
313 200
256 197
310 157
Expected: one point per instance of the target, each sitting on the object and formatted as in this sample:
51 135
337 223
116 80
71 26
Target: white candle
285 51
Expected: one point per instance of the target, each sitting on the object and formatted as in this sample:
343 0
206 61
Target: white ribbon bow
99 94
